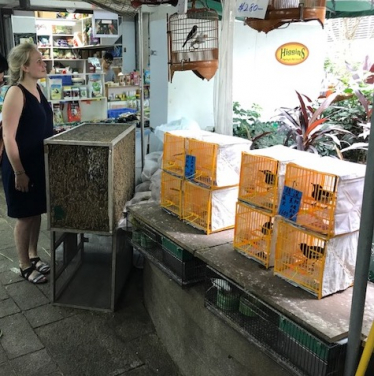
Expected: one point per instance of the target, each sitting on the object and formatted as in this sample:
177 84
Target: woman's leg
26 234
22 236
34 236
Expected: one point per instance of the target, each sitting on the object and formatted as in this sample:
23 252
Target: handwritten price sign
251 8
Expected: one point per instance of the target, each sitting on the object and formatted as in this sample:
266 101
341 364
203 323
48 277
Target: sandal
32 275
40 266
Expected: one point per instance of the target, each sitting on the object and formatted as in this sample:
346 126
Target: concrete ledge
199 342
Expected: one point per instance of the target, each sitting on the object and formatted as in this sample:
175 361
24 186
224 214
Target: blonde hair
17 58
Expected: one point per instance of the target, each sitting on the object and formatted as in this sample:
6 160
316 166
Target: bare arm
12 110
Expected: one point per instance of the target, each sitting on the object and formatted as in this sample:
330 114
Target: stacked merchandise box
260 190
317 235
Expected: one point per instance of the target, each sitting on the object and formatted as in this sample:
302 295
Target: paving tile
10 276
96 349
140 371
8 259
7 370
6 234
26 295
3 294
3 357
43 315
34 364
8 307
18 339
153 353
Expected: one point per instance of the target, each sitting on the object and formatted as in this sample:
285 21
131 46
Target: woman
27 121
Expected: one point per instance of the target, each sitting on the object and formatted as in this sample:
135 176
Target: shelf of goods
77 97
70 42
126 96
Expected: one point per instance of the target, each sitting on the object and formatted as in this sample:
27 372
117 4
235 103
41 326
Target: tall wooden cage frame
281 12
193 42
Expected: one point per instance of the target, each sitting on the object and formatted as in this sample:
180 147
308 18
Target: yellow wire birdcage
259 182
171 193
253 234
300 257
174 156
205 157
210 210
318 199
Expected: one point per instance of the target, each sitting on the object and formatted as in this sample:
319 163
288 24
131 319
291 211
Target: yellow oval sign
292 53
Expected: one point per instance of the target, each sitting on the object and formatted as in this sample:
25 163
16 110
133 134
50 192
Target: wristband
19 172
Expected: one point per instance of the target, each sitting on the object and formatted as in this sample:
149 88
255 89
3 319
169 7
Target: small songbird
321 194
269 177
312 251
267 228
191 34
201 38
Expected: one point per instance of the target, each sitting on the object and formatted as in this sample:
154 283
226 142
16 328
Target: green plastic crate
178 252
304 338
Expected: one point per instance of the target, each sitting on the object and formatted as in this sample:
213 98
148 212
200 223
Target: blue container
66 80
116 112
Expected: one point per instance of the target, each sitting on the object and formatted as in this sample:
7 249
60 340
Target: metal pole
365 240
141 83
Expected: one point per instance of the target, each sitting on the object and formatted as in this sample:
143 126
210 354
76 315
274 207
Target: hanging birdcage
281 12
193 42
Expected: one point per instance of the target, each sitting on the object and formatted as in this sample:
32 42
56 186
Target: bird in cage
267 228
320 194
269 177
200 39
191 34
312 251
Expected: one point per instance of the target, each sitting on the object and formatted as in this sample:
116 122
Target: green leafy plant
247 124
307 125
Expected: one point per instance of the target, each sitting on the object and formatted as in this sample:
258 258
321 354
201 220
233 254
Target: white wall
128 42
257 76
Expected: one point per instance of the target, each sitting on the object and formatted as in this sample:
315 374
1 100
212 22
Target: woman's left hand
22 182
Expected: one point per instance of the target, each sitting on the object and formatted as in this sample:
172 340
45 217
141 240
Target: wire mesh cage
209 210
146 240
216 159
171 193
193 42
253 234
259 182
174 155
280 12
280 337
318 200
320 265
204 155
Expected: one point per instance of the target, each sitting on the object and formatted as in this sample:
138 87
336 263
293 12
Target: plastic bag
182 123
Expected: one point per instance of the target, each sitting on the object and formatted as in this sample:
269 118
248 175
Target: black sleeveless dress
35 125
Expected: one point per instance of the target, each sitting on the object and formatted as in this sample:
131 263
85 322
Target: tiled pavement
41 339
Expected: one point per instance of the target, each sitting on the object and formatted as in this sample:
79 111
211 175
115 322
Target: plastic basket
66 79
117 112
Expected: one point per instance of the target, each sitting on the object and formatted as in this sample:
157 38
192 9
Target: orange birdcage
174 156
253 234
318 198
171 193
314 262
281 12
259 181
210 210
